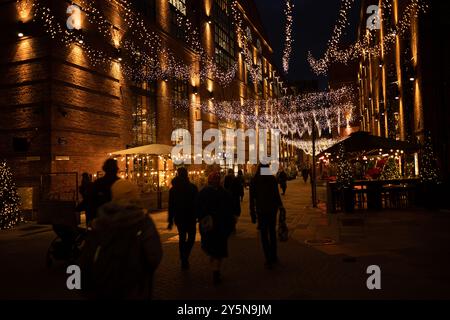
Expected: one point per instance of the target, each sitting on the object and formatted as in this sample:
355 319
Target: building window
180 95
177 13
224 37
144 113
179 5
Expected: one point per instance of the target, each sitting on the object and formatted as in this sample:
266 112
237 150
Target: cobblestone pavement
410 247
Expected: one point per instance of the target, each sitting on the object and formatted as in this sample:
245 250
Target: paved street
410 247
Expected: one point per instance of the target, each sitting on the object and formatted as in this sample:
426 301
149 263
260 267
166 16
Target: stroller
67 245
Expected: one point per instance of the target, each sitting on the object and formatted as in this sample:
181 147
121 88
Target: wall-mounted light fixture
195 90
211 95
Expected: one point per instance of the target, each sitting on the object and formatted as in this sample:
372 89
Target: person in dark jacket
215 213
182 197
123 250
282 180
101 189
305 174
241 183
265 201
231 184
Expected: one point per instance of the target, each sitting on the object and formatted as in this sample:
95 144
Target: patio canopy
363 142
151 149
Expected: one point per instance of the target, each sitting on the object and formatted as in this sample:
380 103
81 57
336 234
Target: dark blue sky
314 21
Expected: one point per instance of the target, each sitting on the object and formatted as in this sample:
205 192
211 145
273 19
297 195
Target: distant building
405 92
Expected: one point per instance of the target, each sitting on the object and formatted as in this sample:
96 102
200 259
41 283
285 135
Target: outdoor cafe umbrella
364 142
151 149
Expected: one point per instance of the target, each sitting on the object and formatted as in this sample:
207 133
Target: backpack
112 263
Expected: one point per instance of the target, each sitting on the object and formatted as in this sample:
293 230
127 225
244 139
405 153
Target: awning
151 149
363 142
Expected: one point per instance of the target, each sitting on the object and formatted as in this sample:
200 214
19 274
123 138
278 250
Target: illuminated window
180 95
144 113
224 37
179 5
177 14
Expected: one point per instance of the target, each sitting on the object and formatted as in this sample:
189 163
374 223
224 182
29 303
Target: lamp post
313 168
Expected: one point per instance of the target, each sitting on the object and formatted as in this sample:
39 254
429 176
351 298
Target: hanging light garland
365 45
290 114
289 40
307 146
142 54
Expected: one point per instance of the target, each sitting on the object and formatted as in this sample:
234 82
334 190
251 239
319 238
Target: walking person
305 174
231 184
241 183
123 250
215 214
265 201
282 180
182 197
101 188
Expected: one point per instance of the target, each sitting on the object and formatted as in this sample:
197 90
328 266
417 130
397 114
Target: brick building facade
404 93
61 113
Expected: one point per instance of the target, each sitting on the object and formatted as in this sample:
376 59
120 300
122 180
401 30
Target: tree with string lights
429 172
391 170
344 176
9 199
344 180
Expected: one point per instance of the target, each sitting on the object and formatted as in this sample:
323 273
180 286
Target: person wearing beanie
216 216
124 248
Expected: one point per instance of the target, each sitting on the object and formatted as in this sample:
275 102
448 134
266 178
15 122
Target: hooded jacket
120 221
112 217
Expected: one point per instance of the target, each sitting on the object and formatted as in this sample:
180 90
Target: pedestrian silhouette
215 213
232 185
182 197
101 189
123 249
265 201
282 180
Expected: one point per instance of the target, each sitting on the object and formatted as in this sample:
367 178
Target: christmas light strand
289 40
365 46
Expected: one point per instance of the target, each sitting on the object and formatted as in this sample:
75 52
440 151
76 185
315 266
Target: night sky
314 21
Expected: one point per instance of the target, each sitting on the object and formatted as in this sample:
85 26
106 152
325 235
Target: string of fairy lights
289 40
365 45
321 145
141 51
144 57
292 115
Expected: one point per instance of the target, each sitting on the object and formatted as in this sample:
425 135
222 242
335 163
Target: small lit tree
429 172
391 170
9 199
344 170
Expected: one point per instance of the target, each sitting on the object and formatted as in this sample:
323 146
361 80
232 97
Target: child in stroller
67 244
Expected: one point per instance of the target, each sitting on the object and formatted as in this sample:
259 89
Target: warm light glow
24 10
20 34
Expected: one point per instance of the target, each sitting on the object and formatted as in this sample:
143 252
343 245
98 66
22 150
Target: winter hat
125 193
